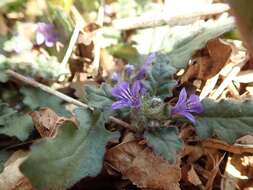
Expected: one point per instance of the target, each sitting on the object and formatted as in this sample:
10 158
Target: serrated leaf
57 164
164 141
159 81
13 123
227 120
99 97
35 98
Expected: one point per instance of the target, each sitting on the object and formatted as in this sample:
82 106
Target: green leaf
56 164
37 66
227 120
124 51
13 123
4 155
24 44
184 49
101 97
35 98
164 141
159 81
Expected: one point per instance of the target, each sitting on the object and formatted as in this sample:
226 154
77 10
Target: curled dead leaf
11 178
140 165
46 122
218 54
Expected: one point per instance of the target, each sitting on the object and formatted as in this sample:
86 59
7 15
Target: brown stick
64 97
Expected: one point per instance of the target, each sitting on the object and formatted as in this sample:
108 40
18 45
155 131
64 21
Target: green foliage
35 98
124 51
164 142
74 154
36 66
227 120
159 81
13 123
101 97
184 48
23 44
4 155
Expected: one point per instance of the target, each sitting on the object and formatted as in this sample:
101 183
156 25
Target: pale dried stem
72 43
244 77
158 19
228 79
97 48
209 86
64 97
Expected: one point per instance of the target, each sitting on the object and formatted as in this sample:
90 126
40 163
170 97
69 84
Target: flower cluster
46 34
129 94
186 106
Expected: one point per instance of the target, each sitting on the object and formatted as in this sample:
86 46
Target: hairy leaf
35 98
33 65
183 50
159 82
164 141
13 123
99 97
227 120
58 163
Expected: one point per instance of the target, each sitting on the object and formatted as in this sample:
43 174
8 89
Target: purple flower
129 68
185 106
45 34
128 96
143 70
115 77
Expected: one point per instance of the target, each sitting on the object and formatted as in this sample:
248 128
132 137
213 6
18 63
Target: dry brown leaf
238 172
78 83
46 121
221 145
193 177
216 159
209 65
140 165
11 178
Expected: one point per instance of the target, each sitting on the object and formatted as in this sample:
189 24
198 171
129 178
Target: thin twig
72 43
97 48
64 97
163 18
45 88
78 28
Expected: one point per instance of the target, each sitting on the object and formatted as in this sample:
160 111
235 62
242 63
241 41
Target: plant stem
64 97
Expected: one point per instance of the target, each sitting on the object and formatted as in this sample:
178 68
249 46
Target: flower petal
143 70
40 39
115 77
149 59
129 68
136 87
120 104
190 117
49 43
194 104
182 97
121 90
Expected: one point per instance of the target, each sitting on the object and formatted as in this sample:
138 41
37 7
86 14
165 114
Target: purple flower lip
186 106
128 96
115 77
45 34
129 68
143 70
